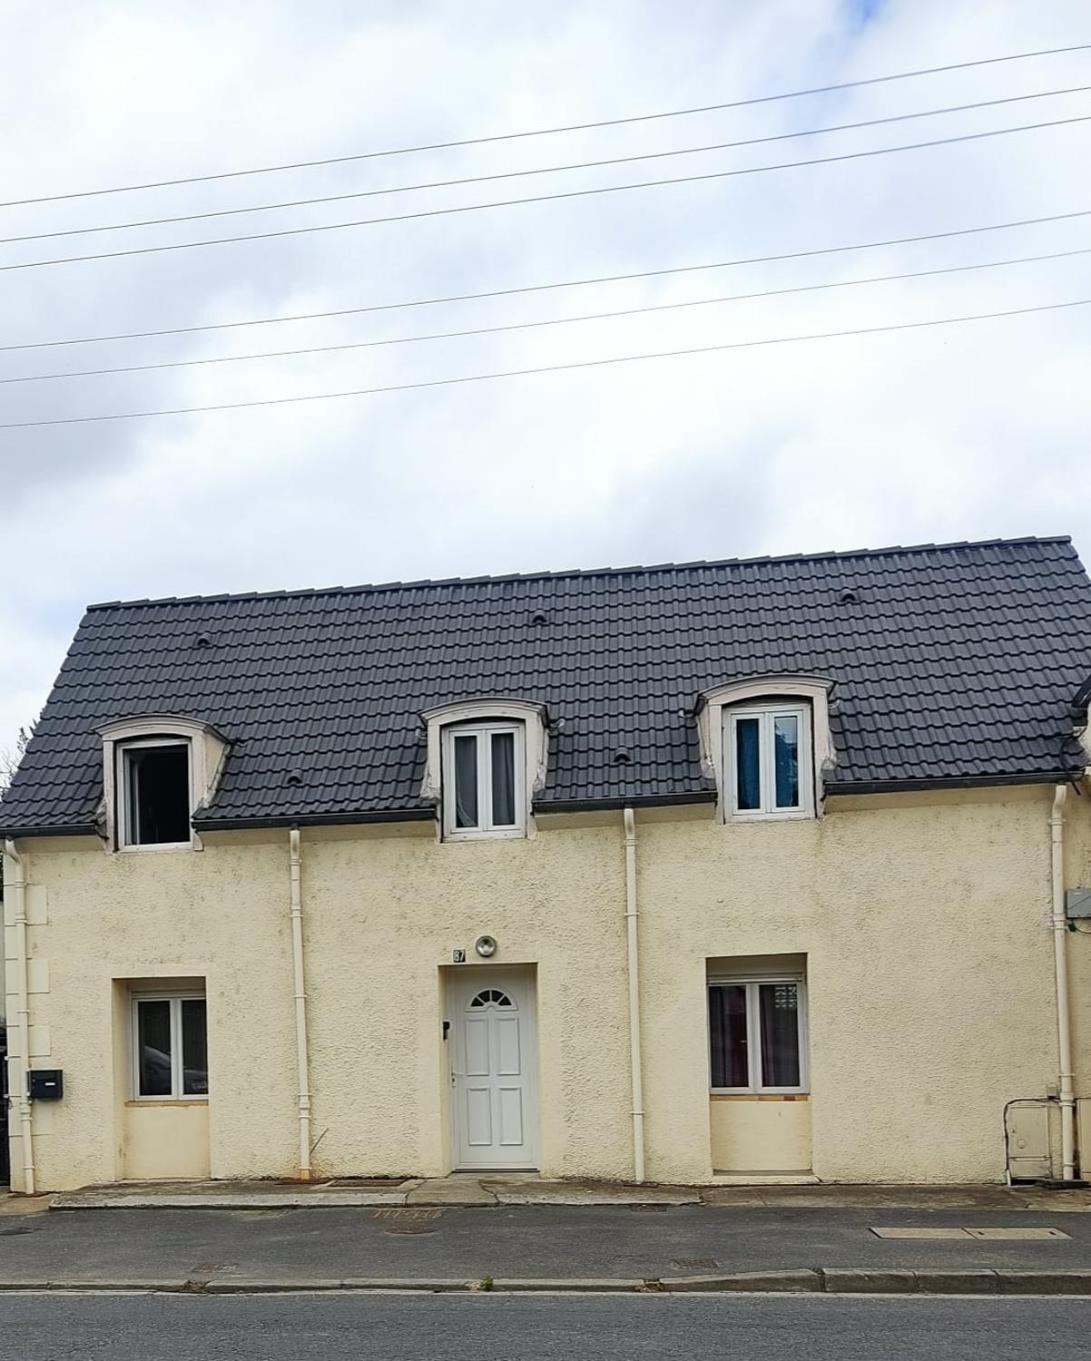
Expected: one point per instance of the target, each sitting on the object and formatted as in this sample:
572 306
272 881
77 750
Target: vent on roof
539 617
848 597
622 756
294 777
203 640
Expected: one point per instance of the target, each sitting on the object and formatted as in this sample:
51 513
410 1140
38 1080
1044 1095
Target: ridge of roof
568 573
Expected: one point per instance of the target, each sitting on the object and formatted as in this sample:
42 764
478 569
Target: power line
541 198
549 321
546 132
546 368
547 287
539 170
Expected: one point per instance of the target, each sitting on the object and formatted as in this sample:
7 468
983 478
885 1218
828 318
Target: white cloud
948 433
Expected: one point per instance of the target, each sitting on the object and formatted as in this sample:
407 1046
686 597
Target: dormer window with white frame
768 751
486 759
157 772
484 780
766 743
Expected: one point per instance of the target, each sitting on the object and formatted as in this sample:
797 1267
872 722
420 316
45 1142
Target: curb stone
1057 1282
832 1280
763 1281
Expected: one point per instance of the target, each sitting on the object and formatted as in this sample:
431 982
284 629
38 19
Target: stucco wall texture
924 922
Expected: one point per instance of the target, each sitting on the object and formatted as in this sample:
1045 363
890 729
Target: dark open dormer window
154 790
158 771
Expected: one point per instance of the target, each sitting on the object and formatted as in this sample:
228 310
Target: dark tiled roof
952 663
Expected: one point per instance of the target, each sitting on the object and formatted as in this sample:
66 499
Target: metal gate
5 1165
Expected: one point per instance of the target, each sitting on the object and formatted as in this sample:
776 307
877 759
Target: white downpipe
631 919
295 861
1060 969
17 889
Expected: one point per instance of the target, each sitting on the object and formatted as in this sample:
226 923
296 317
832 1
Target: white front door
493 1075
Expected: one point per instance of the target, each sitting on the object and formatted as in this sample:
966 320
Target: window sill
157 846
515 834
168 1102
759 1096
796 815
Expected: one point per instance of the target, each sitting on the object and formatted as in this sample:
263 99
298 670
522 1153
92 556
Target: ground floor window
170 1047
757 1035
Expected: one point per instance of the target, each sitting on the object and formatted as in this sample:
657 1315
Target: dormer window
766 743
484 779
154 790
486 759
158 771
768 751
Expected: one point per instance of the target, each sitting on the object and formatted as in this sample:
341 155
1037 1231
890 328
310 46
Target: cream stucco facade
922 922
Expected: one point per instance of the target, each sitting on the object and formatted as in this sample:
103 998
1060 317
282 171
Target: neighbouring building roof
952 664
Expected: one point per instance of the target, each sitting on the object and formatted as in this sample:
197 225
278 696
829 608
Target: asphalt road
544 1328
133 1246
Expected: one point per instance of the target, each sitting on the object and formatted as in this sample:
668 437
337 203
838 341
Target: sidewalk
931 1245
465 1189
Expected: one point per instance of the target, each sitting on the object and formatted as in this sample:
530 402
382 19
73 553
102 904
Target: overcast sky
968 431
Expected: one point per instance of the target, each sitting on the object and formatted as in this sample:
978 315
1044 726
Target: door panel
479 1116
477 1046
508 1063
511 1116
493 1068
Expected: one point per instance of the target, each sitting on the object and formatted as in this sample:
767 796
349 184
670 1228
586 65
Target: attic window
158 772
154 801
485 761
767 748
765 742
484 780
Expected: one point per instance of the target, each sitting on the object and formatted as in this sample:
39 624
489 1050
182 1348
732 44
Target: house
749 869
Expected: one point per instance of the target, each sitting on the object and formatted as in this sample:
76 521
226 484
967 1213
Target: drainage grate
11 1233
695 1263
1020 1235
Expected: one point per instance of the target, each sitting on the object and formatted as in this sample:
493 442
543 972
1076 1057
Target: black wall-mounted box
45 1084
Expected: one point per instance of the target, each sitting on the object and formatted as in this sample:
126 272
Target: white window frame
176 1056
767 714
484 733
122 778
753 1034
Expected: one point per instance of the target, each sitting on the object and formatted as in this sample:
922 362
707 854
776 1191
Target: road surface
367 1327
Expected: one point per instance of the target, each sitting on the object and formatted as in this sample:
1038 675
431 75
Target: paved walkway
462 1189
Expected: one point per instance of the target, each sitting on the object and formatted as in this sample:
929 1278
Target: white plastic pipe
15 892
635 1059
295 861
1060 971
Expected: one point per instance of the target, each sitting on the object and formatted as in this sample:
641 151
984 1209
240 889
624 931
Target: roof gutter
314 819
950 782
75 829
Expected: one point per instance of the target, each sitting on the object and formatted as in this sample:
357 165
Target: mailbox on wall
45 1084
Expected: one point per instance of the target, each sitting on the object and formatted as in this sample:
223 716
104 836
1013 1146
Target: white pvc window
154 793
484 780
170 1047
757 1035
768 761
